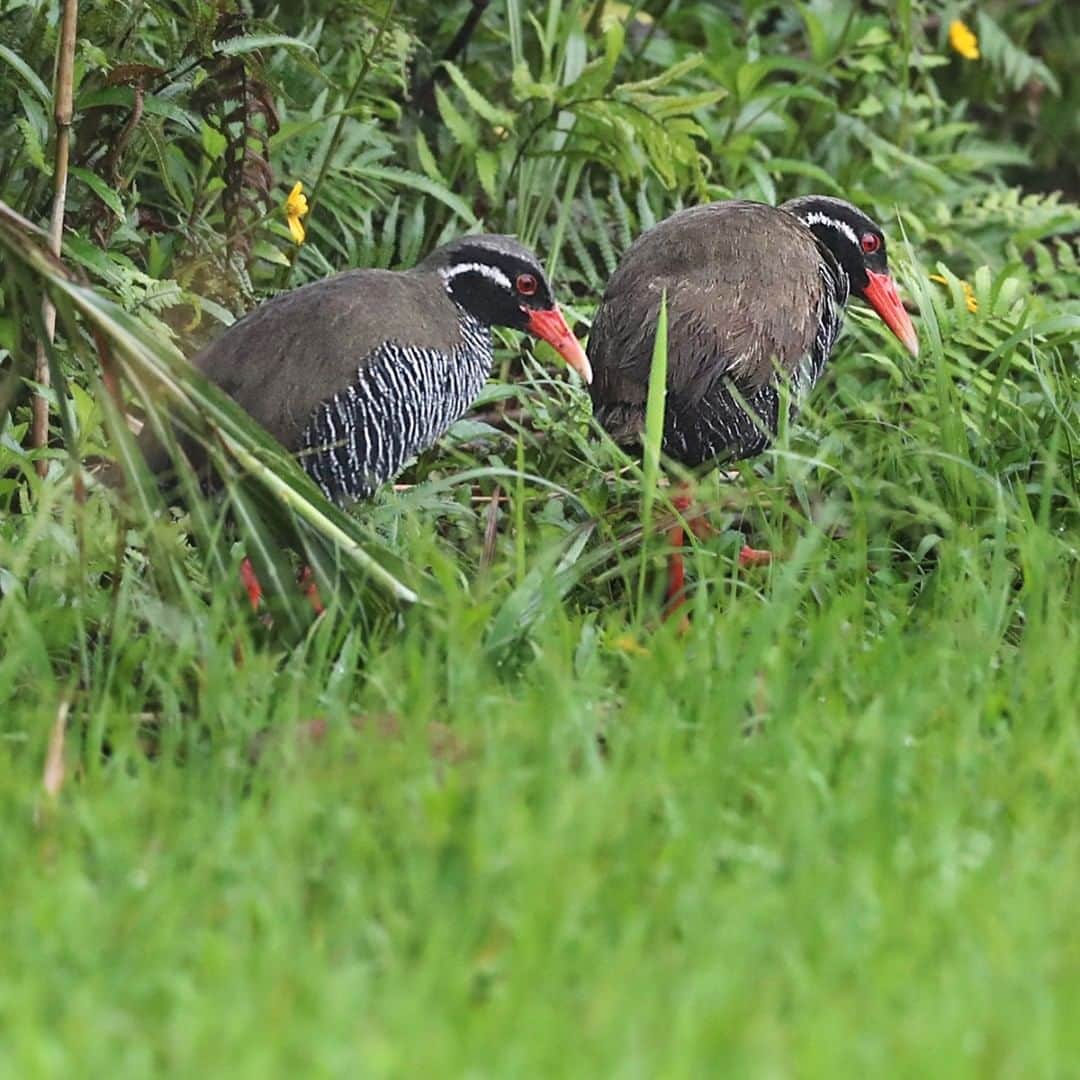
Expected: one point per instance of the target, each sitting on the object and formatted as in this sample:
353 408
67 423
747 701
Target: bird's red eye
870 243
526 284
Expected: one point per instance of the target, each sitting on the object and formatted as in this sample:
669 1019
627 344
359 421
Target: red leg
311 590
675 596
749 556
251 583
306 581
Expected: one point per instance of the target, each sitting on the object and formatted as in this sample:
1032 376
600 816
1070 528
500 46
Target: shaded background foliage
195 119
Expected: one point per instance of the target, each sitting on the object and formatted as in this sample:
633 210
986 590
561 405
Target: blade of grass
654 438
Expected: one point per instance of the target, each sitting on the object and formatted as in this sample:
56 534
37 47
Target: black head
500 282
494 278
857 243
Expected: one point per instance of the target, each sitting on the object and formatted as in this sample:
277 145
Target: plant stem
62 104
424 94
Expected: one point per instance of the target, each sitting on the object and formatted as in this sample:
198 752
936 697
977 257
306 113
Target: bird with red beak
360 372
755 300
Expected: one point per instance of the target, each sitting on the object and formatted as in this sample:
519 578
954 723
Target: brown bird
755 299
360 372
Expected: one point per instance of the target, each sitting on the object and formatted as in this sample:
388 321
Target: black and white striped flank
403 400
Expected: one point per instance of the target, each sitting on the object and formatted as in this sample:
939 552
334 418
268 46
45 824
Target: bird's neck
836 277
475 345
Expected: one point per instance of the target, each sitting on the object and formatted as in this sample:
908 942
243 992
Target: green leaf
875 37
247 43
35 152
124 97
406 178
214 142
28 75
667 76
270 253
479 104
684 104
1005 56
487 168
463 132
551 577
655 407
102 190
790 166
427 158
525 88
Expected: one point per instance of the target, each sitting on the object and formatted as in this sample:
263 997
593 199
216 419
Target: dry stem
62 100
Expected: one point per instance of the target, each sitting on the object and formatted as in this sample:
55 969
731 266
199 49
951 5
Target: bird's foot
749 556
306 581
311 589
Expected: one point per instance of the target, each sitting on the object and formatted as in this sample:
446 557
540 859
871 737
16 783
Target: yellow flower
625 643
613 11
969 292
963 40
295 208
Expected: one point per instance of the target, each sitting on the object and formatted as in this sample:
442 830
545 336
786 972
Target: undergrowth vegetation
488 811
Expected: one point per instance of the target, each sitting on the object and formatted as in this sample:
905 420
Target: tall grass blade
654 435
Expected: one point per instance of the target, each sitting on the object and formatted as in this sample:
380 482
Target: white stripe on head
492 273
818 218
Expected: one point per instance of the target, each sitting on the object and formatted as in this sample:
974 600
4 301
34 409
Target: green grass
829 829
827 835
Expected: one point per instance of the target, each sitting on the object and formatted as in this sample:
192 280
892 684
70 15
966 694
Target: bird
755 297
359 372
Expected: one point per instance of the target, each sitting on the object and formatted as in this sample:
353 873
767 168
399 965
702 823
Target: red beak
551 327
882 296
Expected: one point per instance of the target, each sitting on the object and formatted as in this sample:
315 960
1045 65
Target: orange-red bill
882 296
550 326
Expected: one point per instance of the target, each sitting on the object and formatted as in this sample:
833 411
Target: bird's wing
302 347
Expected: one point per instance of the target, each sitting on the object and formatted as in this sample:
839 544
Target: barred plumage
402 401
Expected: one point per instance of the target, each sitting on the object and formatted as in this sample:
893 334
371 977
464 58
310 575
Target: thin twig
62 103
